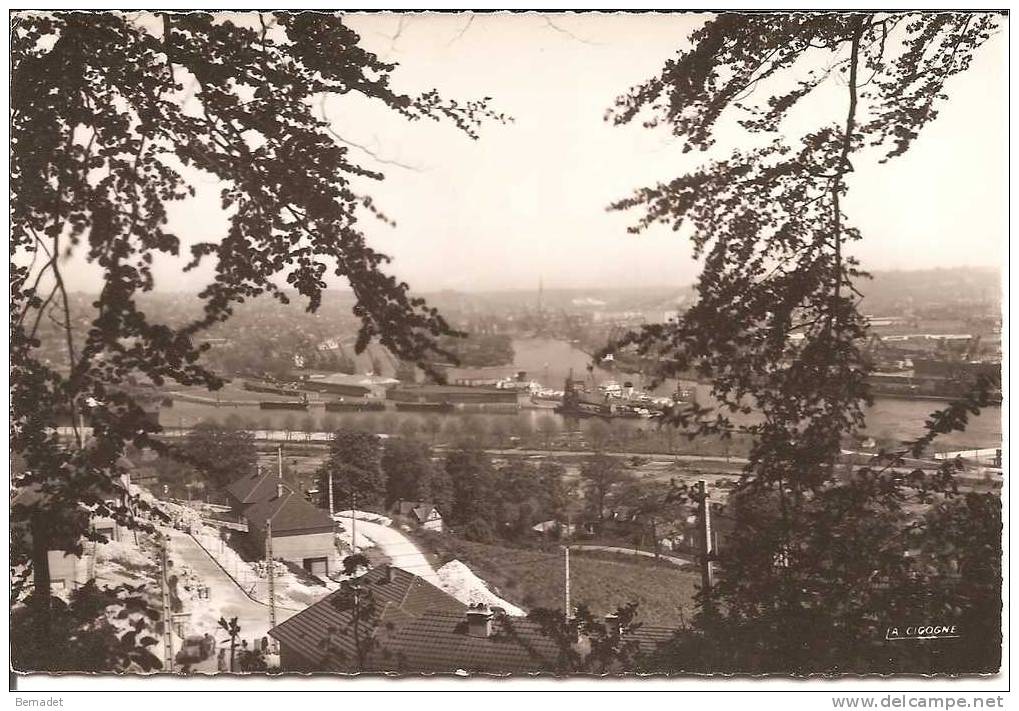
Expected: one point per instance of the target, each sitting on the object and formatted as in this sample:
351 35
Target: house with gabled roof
323 637
407 625
302 533
421 513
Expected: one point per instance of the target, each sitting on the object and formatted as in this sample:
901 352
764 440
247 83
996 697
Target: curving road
397 547
675 560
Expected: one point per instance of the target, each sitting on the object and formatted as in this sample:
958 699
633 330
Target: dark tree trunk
42 584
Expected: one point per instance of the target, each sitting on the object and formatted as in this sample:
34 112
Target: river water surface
551 361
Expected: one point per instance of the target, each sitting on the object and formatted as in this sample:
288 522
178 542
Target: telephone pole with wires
569 610
330 475
164 589
353 521
707 547
566 562
269 564
271 571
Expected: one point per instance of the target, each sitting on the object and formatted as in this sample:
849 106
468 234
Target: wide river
550 361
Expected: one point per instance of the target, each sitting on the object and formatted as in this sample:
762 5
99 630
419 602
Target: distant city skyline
530 292
528 200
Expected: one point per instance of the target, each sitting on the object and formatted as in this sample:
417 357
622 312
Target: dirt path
396 546
675 560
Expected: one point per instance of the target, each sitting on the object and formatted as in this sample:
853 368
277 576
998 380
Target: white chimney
613 625
479 621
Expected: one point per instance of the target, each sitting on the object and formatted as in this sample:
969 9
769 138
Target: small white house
423 513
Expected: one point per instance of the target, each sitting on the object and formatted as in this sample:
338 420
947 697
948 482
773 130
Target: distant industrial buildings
357 385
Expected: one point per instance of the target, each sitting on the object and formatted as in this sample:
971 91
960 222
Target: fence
249 576
989 455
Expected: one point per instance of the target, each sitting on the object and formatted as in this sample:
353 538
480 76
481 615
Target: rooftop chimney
390 574
279 488
613 625
479 621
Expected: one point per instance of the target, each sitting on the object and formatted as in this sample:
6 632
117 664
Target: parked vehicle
196 648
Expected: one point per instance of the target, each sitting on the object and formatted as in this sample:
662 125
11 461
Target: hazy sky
527 200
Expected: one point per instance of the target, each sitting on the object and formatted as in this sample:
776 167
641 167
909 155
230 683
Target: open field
534 578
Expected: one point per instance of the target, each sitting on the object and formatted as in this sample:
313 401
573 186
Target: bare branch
566 32
354 144
467 26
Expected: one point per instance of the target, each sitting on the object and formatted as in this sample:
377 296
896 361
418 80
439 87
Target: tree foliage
100 630
820 558
408 468
588 645
503 501
560 494
363 615
222 453
472 479
599 474
355 465
113 115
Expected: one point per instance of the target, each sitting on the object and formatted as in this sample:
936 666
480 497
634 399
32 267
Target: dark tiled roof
424 630
439 642
289 512
324 634
259 498
252 487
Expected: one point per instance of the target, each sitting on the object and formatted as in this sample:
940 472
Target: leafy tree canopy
222 453
776 328
408 468
112 117
355 465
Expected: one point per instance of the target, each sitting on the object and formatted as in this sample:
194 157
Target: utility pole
271 568
353 521
269 564
569 610
707 547
164 589
356 589
330 493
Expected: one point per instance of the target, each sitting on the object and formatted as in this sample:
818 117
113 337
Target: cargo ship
547 398
354 406
610 401
277 405
442 407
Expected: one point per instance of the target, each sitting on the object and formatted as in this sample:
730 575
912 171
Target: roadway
226 599
675 560
654 457
396 546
